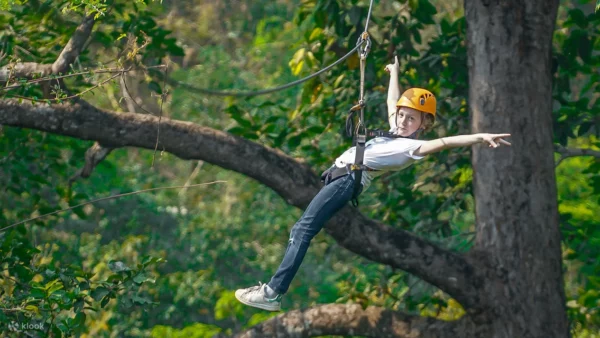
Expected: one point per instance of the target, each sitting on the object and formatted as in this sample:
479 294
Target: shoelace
255 288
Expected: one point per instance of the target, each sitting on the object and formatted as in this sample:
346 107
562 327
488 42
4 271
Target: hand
394 66
494 140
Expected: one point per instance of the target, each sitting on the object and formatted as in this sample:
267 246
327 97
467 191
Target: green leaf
297 68
584 127
315 34
126 302
578 17
116 278
104 302
294 141
32 308
140 300
80 213
58 296
238 115
99 293
84 285
237 131
78 305
79 319
445 26
338 81
585 48
155 87
58 330
37 293
141 278
297 61
53 286
268 128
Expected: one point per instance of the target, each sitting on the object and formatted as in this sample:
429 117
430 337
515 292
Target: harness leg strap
358 167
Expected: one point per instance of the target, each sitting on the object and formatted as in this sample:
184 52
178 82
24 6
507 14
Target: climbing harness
360 132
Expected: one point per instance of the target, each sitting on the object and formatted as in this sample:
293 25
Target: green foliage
197 330
580 209
8 4
227 306
576 46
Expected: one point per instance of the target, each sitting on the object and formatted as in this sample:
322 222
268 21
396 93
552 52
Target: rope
275 89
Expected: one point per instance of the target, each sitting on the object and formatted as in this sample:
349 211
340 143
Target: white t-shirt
383 154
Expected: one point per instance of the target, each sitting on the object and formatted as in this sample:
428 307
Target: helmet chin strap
414 135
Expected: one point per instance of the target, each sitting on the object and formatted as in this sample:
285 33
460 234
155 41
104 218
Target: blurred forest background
166 263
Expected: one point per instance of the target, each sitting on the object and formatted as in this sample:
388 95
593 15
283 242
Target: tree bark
75 46
353 320
510 84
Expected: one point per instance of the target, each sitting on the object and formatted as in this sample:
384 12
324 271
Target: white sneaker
255 296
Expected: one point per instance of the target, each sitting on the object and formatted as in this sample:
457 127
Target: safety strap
361 130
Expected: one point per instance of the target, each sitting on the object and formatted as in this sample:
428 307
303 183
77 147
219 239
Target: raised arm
433 146
393 92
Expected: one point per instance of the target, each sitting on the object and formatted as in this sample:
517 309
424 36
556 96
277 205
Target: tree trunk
509 50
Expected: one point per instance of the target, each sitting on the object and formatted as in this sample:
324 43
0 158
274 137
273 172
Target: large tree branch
93 156
74 46
353 320
24 70
451 272
290 178
70 52
573 152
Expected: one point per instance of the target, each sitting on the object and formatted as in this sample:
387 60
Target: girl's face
408 121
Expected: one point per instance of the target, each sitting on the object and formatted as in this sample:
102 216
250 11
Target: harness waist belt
339 172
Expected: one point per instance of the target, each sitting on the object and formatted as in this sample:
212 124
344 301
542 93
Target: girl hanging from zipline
408 115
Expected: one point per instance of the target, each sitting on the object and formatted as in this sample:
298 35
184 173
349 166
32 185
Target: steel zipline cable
275 89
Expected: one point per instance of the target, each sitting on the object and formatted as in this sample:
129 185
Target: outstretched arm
393 92
433 146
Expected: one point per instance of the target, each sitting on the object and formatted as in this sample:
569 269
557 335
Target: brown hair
427 121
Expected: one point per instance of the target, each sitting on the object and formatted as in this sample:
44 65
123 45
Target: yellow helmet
418 98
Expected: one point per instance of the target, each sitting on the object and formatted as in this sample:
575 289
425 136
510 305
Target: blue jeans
324 205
